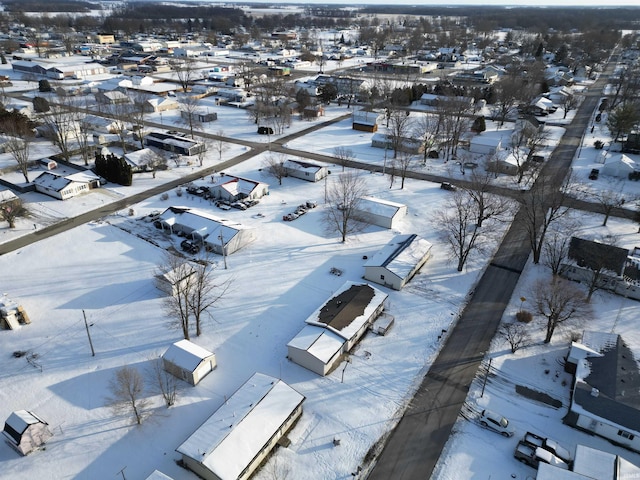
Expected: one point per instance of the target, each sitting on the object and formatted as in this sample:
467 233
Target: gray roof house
305 170
605 398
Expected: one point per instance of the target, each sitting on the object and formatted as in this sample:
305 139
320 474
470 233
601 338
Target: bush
40 104
164 197
524 316
44 85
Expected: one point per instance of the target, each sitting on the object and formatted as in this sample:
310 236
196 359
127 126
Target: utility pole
224 251
93 353
121 472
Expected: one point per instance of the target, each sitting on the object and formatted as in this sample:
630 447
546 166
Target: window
625 434
381 277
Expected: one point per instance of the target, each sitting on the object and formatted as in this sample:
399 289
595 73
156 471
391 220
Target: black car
594 174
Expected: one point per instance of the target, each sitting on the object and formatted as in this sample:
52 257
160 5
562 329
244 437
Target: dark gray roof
597 256
616 377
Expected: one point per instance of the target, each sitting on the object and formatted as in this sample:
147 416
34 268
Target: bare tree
488 205
343 155
457 222
273 165
163 382
540 207
17 142
427 128
343 197
189 108
453 114
609 199
62 121
127 393
515 334
568 103
403 164
508 95
139 112
185 70
398 124
559 301
10 211
195 292
219 144
153 162
555 249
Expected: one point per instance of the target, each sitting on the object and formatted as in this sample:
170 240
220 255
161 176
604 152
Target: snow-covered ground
278 281
106 268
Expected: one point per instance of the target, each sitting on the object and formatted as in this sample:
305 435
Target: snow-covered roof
377 206
21 419
490 141
401 254
319 342
186 355
594 463
235 185
202 221
302 165
7 196
157 475
232 437
139 157
51 181
350 307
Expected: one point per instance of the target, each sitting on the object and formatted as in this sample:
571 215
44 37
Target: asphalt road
414 446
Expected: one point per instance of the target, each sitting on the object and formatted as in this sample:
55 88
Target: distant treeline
15 6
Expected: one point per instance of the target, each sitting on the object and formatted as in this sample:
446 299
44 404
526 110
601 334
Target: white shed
25 431
316 349
188 361
398 261
233 442
485 145
383 213
176 279
619 166
158 475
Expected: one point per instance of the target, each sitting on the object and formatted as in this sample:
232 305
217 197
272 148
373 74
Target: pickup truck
549 445
532 456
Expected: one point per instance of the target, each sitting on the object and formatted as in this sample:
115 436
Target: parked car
190 246
595 172
549 445
238 205
265 131
496 422
223 205
532 456
447 186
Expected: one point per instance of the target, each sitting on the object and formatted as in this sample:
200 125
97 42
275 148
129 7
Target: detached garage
382 213
25 431
398 261
233 442
188 361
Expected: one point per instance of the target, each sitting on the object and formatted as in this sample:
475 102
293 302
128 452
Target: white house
188 361
383 213
233 442
158 475
211 231
619 166
605 396
305 170
63 187
25 431
398 261
485 144
339 324
232 188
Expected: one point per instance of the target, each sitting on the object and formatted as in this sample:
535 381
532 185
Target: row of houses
58 71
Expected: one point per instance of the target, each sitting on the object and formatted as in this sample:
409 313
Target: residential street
414 447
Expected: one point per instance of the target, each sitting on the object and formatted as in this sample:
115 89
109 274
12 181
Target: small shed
485 145
365 120
158 475
176 279
398 261
25 431
619 166
383 213
188 361
316 349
